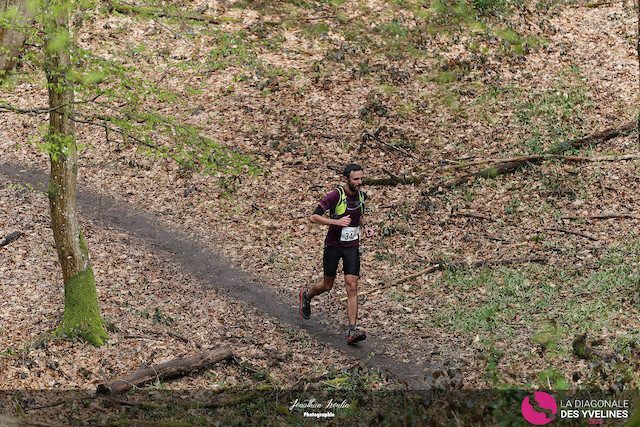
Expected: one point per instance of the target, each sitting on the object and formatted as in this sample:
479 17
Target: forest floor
296 90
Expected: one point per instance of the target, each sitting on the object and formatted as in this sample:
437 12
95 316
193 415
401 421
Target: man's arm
369 231
318 218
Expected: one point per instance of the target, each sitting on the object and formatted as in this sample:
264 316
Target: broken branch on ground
168 370
514 165
9 238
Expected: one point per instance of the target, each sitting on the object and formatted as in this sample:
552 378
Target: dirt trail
214 271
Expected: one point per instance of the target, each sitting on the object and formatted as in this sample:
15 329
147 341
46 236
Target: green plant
393 29
485 7
231 48
160 317
549 336
445 76
555 114
469 194
315 30
386 256
493 357
8 352
553 379
513 206
559 184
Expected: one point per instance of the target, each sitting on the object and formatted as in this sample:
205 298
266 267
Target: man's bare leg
318 288
354 334
351 283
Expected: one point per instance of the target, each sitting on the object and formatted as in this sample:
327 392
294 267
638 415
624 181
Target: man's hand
369 231
344 221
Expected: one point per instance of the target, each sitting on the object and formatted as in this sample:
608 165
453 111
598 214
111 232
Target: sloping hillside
248 121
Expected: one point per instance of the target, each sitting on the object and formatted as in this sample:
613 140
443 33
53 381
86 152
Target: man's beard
352 187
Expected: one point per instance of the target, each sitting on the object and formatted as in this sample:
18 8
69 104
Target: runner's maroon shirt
329 203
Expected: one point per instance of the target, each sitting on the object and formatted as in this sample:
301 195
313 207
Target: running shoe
305 306
355 335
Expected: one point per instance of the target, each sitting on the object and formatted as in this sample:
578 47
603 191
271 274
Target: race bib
349 234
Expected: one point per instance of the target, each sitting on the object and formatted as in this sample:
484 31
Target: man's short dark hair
351 167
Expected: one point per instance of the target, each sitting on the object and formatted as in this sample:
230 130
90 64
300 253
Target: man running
346 209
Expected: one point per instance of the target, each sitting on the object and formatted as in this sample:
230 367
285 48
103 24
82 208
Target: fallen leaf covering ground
157 312
297 86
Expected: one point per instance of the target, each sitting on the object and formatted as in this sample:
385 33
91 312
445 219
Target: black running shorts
350 263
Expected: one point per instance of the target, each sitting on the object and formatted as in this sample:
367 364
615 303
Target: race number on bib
349 234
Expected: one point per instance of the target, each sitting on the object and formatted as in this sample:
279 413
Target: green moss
81 310
490 173
445 77
53 190
83 245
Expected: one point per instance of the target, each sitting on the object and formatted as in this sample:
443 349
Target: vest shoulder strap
341 204
361 200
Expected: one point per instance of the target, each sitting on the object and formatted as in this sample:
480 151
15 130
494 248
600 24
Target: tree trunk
81 309
12 36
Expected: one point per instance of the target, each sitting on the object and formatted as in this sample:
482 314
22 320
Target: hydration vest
341 207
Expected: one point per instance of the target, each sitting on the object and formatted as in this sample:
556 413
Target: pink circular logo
534 410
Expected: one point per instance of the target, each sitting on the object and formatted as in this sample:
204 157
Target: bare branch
108 128
472 215
9 238
538 157
609 215
574 232
8 108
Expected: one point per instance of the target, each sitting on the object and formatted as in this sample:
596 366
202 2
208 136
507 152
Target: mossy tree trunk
81 308
19 17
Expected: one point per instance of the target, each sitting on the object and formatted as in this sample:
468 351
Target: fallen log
172 369
595 139
9 238
393 180
537 157
512 166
